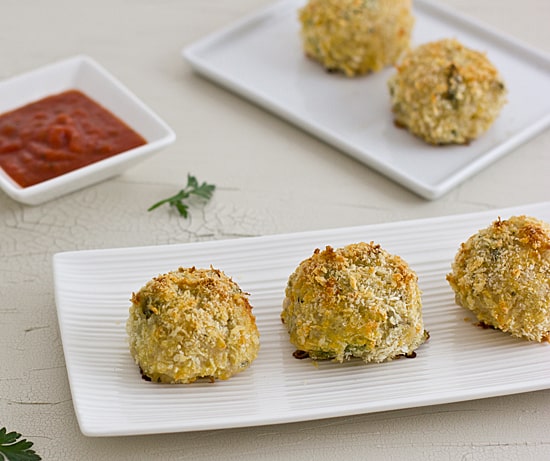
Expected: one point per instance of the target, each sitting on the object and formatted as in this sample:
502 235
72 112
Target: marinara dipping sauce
58 134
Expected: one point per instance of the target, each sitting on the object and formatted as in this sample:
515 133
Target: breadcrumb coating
446 93
502 275
355 301
356 36
189 324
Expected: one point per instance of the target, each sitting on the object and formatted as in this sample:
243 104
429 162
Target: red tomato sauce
59 134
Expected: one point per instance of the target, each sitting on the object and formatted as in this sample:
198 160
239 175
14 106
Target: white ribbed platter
460 361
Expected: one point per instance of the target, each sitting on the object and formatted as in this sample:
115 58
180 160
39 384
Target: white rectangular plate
459 362
261 58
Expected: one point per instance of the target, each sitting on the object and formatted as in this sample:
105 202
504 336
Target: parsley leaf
203 191
13 450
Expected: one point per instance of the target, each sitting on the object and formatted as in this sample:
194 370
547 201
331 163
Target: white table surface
271 178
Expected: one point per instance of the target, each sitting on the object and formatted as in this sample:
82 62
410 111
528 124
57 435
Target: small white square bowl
84 74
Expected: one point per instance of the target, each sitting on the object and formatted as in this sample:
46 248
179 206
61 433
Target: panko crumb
356 301
502 275
446 93
355 37
189 324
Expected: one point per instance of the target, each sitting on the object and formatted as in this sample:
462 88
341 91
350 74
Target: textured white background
271 178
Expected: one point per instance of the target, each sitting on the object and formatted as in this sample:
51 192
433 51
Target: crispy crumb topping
356 301
444 92
502 274
356 36
189 324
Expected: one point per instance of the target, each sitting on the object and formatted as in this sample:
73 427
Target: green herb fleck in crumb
12 449
193 188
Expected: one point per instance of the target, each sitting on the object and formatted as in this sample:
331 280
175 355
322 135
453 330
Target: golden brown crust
355 301
446 93
502 274
356 36
189 324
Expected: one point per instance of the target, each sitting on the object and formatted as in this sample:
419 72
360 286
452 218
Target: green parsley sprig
193 188
12 449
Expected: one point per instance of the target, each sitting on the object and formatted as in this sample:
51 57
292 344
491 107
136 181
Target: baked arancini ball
189 324
356 36
445 93
502 275
355 301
